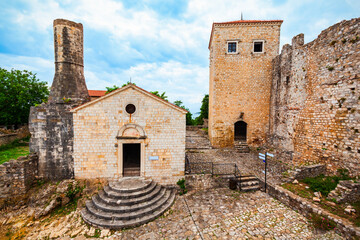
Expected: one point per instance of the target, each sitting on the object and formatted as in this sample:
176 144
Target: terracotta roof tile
96 93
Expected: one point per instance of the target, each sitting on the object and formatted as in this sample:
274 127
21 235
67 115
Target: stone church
128 132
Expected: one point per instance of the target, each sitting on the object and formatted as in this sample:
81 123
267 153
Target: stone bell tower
69 80
51 124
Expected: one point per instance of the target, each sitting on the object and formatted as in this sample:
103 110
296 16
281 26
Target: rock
307 187
53 204
105 232
348 210
295 181
331 204
317 194
316 199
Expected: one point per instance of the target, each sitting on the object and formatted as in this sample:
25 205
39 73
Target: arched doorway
240 128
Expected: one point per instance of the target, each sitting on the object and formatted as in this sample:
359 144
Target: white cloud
44 68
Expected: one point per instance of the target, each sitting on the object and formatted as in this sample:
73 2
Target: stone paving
224 214
203 214
248 163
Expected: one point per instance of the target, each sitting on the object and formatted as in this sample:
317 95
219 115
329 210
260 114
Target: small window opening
258 47
232 47
130 108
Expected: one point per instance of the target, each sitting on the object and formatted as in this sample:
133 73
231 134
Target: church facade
129 132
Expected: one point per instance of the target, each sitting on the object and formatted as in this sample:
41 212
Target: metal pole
265 169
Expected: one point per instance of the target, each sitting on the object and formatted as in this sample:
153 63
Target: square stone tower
241 54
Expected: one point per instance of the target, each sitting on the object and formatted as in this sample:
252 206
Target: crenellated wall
315 95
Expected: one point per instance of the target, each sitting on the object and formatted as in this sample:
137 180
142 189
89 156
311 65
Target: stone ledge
305 207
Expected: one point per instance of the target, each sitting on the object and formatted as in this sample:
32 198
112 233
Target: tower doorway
131 159
240 128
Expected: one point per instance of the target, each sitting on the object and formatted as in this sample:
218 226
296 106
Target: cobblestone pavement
224 214
204 214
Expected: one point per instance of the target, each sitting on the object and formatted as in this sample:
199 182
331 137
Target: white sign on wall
154 158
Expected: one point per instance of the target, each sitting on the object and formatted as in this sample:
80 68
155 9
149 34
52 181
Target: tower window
258 46
232 47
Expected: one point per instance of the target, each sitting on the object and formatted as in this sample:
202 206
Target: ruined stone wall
51 124
241 82
315 114
16 176
98 150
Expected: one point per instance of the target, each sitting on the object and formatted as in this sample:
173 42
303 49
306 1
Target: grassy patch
13 150
321 222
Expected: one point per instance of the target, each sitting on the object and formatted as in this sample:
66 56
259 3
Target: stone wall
102 126
51 124
343 226
315 112
17 134
16 176
51 127
240 83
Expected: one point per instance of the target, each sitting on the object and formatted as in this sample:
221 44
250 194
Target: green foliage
162 95
189 120
204 110
19 90
343 173
13 150
66 100
73 191
181 184
321 222
323 184
110 89
128 82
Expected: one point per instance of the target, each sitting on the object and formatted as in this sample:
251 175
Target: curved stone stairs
127 203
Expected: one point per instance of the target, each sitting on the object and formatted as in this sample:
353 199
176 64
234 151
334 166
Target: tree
19 90
204 110
189 120
110 89
163 96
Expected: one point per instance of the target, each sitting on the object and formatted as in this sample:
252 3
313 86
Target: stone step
124 209
249 183
119 224
126 195
127 202
128 215
250 188
136 185
248 178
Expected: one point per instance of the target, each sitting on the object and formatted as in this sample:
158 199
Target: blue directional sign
261 157
264 161
261 154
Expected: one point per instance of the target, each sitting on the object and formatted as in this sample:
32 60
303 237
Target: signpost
264 158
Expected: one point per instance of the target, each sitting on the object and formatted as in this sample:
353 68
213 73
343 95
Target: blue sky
161 45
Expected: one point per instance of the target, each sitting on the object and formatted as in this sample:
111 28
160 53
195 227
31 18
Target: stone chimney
69 82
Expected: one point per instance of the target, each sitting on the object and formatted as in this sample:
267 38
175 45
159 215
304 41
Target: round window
130 108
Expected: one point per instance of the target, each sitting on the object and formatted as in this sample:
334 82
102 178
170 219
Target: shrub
322 184
321 222
182 186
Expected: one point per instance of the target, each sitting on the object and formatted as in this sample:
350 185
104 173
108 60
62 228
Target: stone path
248 163
208 214
224 214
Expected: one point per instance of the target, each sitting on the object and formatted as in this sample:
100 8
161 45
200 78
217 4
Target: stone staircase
248 183
127 203
241 146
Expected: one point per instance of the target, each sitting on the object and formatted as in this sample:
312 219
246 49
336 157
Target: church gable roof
133 86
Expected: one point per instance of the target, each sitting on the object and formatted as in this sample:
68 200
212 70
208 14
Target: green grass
13 150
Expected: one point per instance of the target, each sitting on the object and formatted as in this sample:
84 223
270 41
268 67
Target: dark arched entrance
240 130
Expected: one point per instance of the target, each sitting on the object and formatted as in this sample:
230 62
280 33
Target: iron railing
219 169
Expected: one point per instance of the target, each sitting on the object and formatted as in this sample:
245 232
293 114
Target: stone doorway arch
131 155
